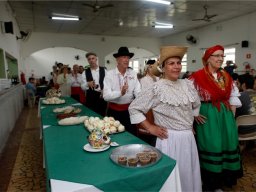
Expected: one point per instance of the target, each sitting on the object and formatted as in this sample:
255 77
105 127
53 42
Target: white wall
228 33
8 41
101 46
40 63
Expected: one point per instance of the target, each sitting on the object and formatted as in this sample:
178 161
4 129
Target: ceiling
132 18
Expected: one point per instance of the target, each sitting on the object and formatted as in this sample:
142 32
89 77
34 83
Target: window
135 65
184 63
230 55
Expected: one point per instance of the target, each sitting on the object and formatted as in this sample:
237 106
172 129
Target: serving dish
89 148
135 156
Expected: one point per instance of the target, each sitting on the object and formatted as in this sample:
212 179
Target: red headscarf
210 51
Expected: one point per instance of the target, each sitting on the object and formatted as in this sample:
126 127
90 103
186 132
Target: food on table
153 156
144 160
132 162
63 115
53 93
62 109
122 160
67 110
53 100
108 124
73 120
98 139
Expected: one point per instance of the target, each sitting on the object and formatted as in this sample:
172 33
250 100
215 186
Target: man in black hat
121 85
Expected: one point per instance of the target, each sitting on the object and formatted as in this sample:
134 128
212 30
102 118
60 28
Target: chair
246 128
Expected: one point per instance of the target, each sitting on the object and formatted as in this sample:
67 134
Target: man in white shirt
76 80
121 86
93 84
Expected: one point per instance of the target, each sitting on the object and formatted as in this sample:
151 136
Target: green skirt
217 140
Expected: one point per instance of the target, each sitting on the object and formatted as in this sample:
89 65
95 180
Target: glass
217 56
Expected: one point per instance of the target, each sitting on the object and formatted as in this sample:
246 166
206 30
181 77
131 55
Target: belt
118 107
75 90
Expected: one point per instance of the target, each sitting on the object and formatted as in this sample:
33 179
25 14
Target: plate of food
135 156
53 101
108 124
89 148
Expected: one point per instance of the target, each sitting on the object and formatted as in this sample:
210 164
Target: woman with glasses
216 130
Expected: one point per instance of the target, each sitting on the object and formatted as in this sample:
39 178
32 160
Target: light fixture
160 1
75 18
163 25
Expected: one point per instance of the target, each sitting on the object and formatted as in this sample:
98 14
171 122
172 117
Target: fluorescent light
163 26
159 23
160 1
65 18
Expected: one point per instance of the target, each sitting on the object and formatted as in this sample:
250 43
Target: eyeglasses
217 56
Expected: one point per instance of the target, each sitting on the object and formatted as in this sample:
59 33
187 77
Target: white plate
89 148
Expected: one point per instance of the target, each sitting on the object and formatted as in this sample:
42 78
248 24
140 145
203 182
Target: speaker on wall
8 27
245 44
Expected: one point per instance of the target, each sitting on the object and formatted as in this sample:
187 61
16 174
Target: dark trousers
124 118
95 102
76 97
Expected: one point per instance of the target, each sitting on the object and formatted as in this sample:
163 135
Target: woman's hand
200 119
160 132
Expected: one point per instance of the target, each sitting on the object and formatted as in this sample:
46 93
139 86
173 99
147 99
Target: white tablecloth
172 184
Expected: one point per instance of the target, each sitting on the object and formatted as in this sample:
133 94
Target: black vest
89 77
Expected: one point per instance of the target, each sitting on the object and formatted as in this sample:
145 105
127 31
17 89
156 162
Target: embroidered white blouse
113 83
147 82
174 104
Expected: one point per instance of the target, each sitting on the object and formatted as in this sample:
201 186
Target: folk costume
113 83
174 105
94 98
217 139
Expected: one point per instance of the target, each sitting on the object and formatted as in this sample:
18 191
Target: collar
127 72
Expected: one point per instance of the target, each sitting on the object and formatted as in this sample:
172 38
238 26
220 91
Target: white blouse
147 82
174 104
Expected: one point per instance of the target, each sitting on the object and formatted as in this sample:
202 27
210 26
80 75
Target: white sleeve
84 84
141 105
108 93
234 97
137 88
61 79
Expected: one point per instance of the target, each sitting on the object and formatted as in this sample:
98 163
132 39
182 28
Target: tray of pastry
135 156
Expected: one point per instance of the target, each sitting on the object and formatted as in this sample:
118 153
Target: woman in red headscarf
216 130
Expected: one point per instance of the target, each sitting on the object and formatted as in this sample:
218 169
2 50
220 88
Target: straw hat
171 51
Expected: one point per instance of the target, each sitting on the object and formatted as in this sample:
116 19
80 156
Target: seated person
245 84
230 67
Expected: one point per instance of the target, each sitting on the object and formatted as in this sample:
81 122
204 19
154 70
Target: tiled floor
21 163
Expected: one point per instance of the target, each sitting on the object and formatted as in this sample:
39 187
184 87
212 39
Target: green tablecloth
67 161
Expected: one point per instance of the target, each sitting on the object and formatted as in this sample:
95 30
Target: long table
70 168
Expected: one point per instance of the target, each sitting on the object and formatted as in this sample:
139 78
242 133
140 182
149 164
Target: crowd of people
191 119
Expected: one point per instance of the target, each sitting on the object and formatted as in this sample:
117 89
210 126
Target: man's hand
124 89
91 84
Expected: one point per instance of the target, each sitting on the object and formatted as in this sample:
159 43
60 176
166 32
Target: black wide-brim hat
151 62
123 51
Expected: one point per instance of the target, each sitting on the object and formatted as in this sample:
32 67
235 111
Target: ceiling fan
96 6
206 17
